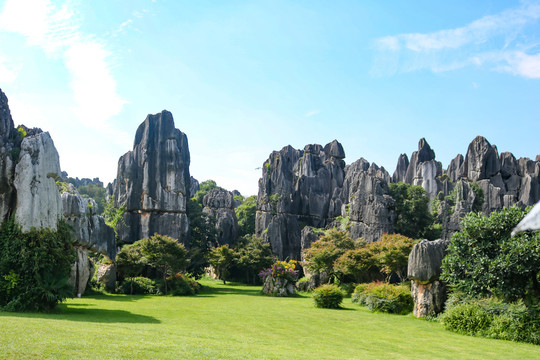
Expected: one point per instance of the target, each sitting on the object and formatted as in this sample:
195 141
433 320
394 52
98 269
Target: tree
484 260
130 261
392 254
164 254
253 256
113 215
356 263
96 192
245 213
202 237
35 267
222 258
323 253
413 218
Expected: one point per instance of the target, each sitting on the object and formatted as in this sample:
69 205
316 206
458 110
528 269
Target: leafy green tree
164 254
222 258
413 218
354 264
202 237
392 254
484 260
323 253
253 256
130 261
34 267
245 214
113 215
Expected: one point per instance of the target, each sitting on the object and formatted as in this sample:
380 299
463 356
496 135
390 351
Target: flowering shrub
281 270
280 278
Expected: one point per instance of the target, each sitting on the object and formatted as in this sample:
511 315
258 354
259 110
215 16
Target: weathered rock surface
401 168
7 165
424 269
424 170
106 275
219 204
313 187
81 271
90 230
38 199
481 161
193 186
425 260
153 181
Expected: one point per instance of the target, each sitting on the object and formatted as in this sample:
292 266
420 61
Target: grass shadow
76 313
228 289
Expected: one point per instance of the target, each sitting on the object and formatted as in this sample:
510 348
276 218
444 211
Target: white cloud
491 40
312 113
55 29
8 74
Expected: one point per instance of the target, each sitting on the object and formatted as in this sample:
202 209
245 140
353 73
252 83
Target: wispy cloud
494 41
312 113
56 29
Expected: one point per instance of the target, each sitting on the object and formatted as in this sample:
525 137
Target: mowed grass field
234 322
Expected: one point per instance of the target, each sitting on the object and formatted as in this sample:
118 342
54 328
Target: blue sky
243 78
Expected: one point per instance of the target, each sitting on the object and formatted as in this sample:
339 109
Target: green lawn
234 322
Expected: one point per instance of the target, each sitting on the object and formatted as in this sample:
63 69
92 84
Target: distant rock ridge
153 182
219 203
313 187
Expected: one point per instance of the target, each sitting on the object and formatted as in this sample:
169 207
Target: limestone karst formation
29 171
313 187
153 182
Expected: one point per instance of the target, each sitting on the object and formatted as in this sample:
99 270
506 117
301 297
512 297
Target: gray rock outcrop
38 199
401 168
219 203
424 269
313 187
7 164
81 271
153 182
90 230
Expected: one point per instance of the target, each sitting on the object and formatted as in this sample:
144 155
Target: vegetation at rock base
34 267
252 255
384 297
161 254
98 193
113 215
204 188
222 258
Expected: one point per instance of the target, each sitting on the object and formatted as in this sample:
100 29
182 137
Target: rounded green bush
182 285
328 296
384 297
470 319
138 286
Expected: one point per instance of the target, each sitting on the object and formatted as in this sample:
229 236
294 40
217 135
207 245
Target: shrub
34 267
328 296
484 260
182 285
383 297
493 318
138 286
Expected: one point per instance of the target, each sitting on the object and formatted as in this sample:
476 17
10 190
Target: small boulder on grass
328 296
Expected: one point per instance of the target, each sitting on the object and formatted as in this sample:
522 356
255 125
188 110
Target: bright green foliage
392 254
222 258
328 296
323 253
182 285
34 267
164 254
413 218
113 215
98 193
138 286
356 263
245 214
202 237
493 318
483 260
384 297
130 262
253 255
